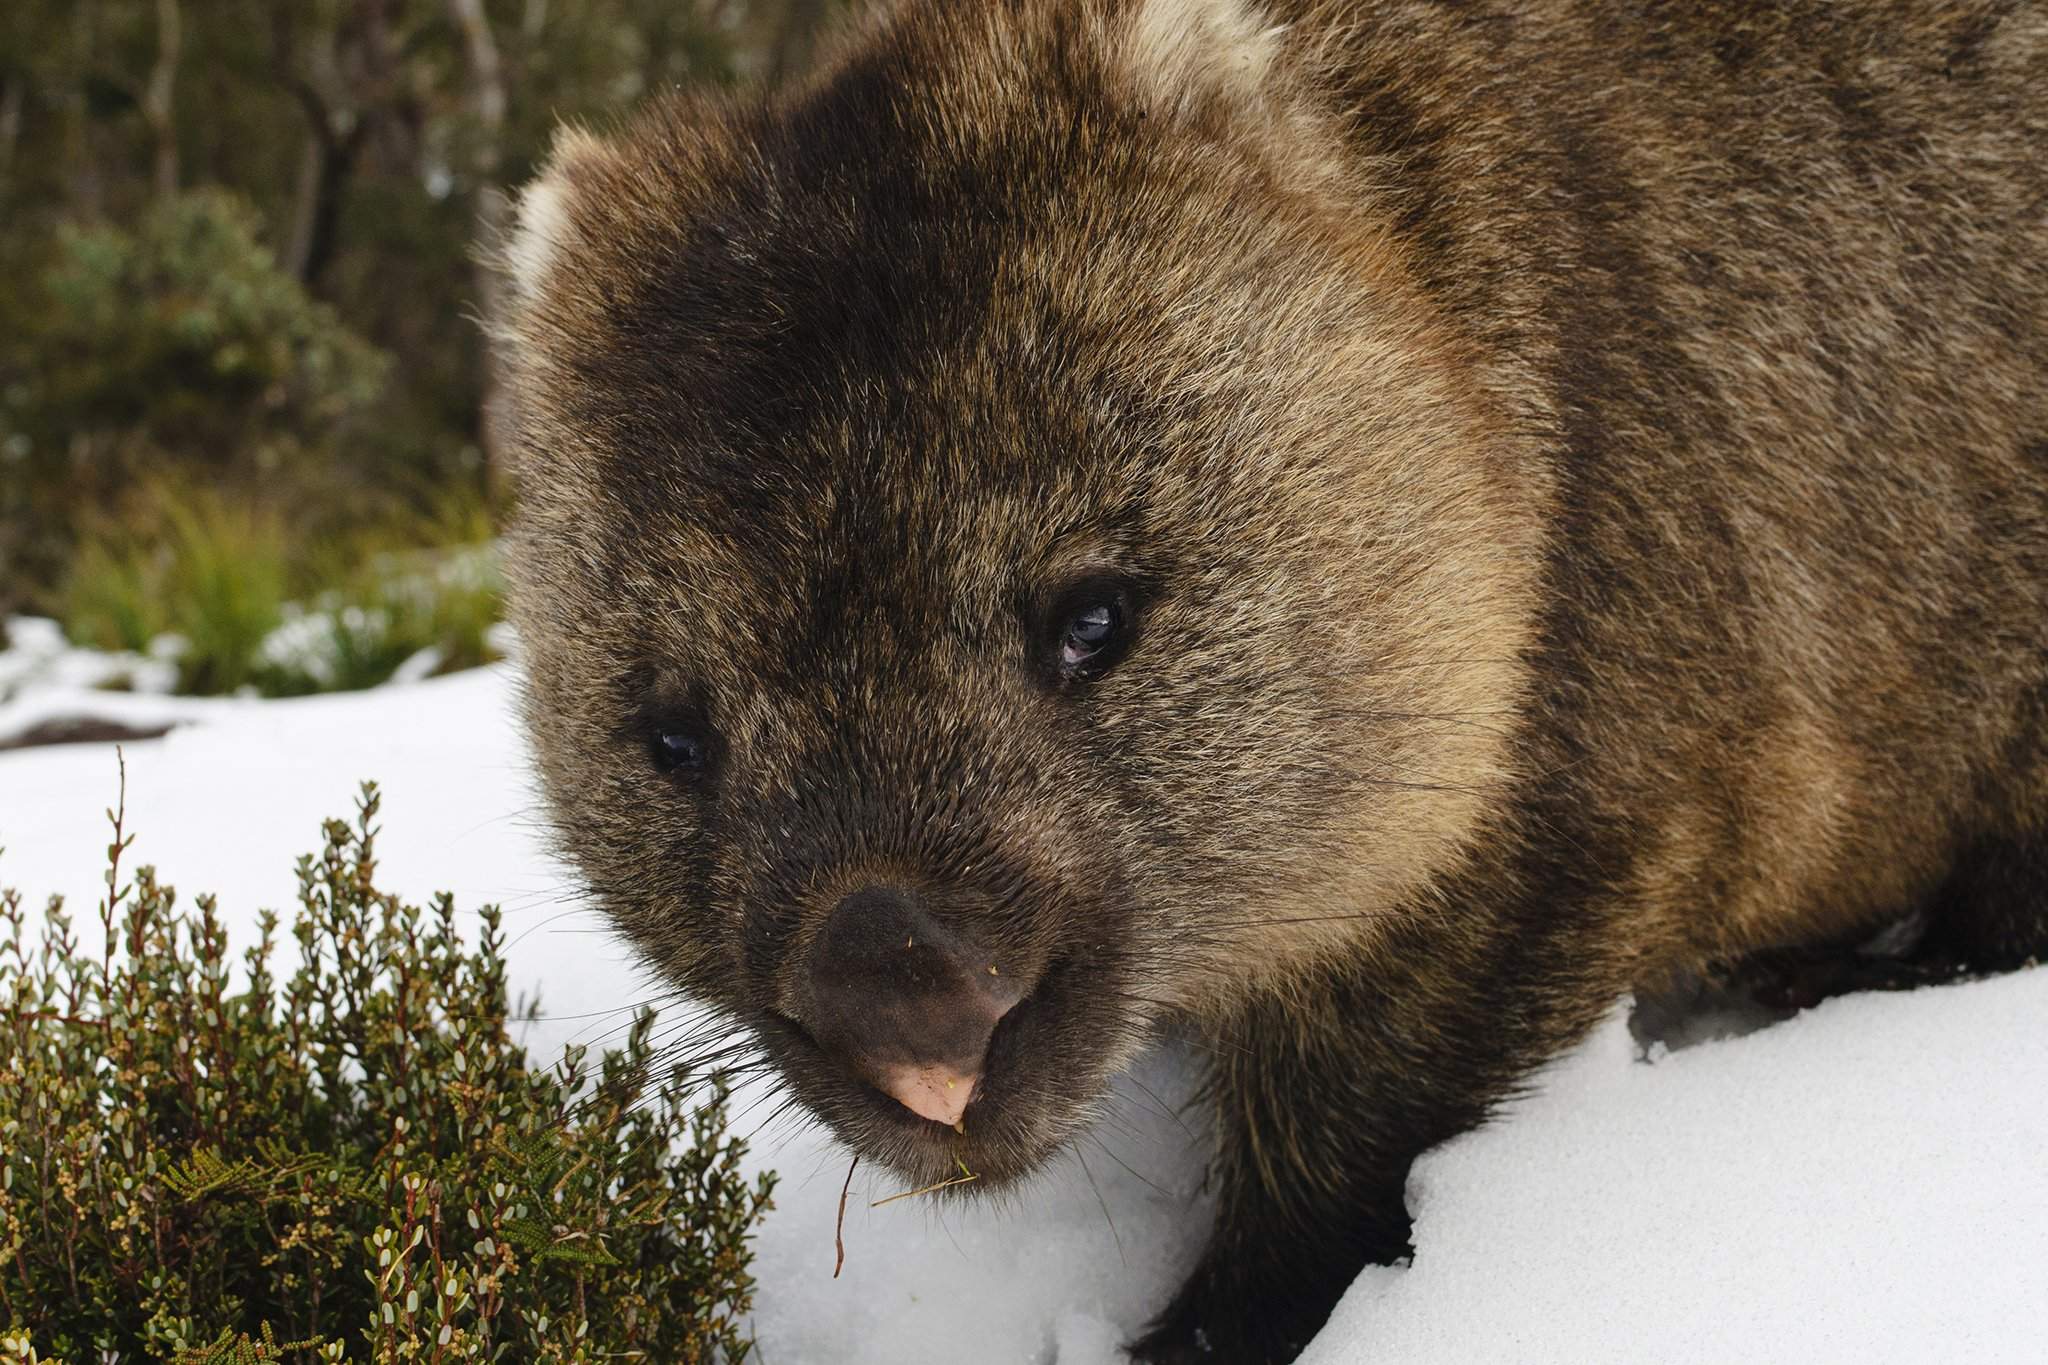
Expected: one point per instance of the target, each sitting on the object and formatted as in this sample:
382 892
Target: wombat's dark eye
680 748
1088 629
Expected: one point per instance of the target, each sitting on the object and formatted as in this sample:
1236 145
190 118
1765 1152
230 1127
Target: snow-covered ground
1868 1182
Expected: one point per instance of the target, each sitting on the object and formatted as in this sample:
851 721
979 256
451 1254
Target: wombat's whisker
1100 1203
1159 1106
1130 1170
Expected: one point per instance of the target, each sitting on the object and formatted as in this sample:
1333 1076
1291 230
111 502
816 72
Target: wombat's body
1372 528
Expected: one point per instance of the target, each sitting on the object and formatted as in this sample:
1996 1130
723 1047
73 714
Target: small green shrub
388 613
230 573
253 607
213 571
113 597
353 1163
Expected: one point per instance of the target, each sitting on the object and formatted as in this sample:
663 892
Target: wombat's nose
906 1002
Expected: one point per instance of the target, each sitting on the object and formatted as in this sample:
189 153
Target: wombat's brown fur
1568 484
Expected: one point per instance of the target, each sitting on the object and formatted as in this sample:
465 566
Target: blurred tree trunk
82 178
159 98
486 76
13 98
330 148
488 102
345 78
325 169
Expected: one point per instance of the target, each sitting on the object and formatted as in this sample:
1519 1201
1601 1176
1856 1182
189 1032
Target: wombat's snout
904 1001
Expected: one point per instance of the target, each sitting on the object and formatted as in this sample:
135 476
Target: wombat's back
1769 282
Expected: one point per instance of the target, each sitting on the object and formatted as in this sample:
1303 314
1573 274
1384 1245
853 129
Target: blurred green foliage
183 336
238 250
354 1161
202 567
238 602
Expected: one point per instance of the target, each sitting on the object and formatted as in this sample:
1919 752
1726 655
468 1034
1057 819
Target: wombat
1361 530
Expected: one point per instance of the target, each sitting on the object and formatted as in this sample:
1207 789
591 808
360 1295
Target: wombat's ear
1187 50
527 313
1226 71
542 227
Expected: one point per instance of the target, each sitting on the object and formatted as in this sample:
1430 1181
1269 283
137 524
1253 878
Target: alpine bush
352 1162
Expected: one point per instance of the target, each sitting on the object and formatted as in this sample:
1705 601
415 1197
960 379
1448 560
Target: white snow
39 661
1868 1182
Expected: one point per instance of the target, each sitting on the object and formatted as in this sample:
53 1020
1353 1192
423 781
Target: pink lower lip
931 1092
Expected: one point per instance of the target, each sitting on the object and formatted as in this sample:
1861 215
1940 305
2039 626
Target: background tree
347 155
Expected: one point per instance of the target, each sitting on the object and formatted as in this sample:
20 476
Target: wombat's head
1005 555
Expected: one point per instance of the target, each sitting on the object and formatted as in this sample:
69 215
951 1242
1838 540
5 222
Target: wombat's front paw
1795 979
1211 1324
1173 1341
1160 1346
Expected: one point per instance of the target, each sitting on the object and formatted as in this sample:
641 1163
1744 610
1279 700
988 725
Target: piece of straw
960 1179
839 1228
